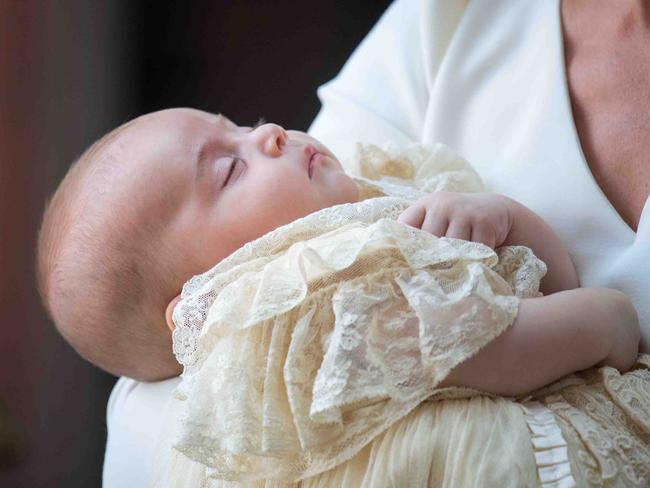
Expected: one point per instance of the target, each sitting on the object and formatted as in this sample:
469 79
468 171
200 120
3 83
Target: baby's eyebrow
204 151
200 156
199 159
202 165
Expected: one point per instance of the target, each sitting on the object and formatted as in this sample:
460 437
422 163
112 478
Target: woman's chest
503 100
608 76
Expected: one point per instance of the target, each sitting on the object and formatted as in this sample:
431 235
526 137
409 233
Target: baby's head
158 200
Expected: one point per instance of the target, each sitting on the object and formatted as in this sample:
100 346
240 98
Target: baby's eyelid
233 167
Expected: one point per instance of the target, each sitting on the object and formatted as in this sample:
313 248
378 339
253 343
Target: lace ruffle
304 358
605 417
307 344
471 439
406 173
303 345
549 445
413 171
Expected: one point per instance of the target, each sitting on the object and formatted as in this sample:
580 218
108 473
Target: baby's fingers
413 216
459 230
435 223
485 234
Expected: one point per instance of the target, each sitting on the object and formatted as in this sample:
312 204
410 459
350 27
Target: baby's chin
347 189
322 148
353 189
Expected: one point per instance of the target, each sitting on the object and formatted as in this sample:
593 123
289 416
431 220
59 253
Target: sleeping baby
325 309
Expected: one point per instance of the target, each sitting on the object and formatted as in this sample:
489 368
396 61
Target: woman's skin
607 56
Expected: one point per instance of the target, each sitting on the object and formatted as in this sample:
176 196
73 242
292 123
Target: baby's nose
270 139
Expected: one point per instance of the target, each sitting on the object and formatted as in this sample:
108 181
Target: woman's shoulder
135 414
137 396
382 91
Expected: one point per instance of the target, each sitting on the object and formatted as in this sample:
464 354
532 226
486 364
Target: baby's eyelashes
230 171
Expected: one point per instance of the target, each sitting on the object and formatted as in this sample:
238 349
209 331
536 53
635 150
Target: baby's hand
479 217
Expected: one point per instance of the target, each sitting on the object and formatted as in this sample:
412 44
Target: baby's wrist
515 213
623 330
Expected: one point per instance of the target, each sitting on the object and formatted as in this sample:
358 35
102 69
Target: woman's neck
606 17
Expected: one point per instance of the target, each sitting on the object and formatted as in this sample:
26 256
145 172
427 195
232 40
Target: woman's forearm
530 230
551 337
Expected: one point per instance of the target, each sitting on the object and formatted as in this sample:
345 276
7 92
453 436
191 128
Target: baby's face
215 185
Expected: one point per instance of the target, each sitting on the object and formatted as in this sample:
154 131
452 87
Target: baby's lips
309 151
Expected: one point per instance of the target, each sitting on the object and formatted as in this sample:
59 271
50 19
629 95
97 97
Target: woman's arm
551 337
136 415
382 92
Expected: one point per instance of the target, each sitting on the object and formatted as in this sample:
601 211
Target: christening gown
312 357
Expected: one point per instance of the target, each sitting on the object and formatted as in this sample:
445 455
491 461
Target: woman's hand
478 217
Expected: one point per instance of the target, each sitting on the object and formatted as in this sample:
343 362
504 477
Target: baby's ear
168 312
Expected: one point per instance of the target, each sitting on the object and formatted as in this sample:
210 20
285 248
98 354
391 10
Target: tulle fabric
461 437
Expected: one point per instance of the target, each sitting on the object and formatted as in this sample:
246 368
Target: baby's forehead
158 133
171 129
182 116
154 156
154 151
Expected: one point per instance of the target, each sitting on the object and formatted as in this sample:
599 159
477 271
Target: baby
156 201
168 194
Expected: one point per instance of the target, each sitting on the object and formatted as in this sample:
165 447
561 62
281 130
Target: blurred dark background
70 70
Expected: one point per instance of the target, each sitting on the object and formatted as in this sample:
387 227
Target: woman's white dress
488 79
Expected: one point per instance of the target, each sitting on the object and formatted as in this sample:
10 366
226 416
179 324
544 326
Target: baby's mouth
310 170
310 155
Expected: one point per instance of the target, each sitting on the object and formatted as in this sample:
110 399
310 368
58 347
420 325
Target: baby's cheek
348 189
290 197
275 199
254 217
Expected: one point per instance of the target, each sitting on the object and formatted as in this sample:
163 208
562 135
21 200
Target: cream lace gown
312 357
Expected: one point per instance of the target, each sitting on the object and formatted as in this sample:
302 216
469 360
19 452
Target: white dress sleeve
382 92
135 415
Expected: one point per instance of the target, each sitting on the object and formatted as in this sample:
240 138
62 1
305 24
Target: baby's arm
567 330
530 230
495 220
553 336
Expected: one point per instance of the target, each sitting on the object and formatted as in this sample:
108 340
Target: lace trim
305 344
306 358
400 175
549 446
200 291
427 169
